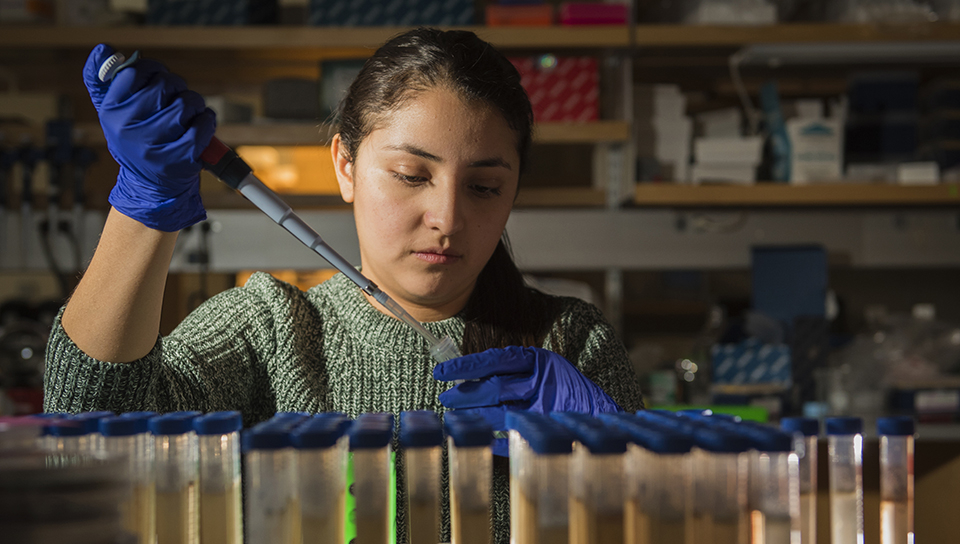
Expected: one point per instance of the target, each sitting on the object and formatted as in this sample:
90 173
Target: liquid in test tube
896 479
270 485
129 437
471 464
322 447
370 443
176 455
774 494
91 420
845 446
805 431
596 479
422 439
221 517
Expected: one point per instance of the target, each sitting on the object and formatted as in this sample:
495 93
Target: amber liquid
468 526
895 526
220 521
701 529
587 526
636 525
139 513
808 518
423 522
371 529
177 516
325 529
668 530
725 532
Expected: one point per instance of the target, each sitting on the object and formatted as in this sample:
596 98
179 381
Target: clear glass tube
371 487
423 495
321 475
775 497
551 502
704 491
665 506
846 488
178 511
896 489
470 480
138 513
220 507
520 479
596 497
728 521
806 449
272 513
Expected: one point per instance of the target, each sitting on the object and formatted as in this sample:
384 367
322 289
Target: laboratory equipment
270 490
422 439
469 438
69 436
221 518
845 447
596 479
128 438
774 488
321 445
539 483
229 168
805 431
91 422
176 460
896 479
370 442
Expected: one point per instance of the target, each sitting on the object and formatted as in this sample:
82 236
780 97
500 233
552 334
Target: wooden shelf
294 37
717 35
560 197
776 195
317 134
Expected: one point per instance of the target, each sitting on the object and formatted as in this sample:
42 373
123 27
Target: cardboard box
561 88
519 15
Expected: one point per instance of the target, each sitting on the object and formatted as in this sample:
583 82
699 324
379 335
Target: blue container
211 12
391 13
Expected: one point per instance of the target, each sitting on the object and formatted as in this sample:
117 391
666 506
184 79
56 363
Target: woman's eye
409 179
483 190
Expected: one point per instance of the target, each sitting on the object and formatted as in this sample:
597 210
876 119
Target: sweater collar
370 326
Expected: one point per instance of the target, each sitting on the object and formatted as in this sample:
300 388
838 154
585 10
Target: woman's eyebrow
416 151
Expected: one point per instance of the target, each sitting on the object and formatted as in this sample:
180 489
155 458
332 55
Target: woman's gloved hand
156 130
516 378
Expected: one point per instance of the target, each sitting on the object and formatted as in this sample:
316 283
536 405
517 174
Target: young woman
433 137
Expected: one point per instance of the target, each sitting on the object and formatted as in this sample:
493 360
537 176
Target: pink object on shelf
582 13
561 89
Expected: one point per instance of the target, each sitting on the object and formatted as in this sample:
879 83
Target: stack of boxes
561 89
663 133
539 13
723 156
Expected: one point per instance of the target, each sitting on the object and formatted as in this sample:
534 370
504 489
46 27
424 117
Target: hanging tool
229 168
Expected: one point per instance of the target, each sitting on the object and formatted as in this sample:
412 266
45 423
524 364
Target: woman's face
432 187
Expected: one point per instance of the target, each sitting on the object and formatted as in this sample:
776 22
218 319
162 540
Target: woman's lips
437 257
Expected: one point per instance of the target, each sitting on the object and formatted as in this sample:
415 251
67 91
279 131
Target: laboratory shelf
728 35
795 196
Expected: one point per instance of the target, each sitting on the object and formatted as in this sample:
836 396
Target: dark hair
502 310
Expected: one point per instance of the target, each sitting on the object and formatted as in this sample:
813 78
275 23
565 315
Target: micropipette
229 168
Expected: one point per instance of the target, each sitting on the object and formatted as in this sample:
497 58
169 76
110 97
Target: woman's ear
343 167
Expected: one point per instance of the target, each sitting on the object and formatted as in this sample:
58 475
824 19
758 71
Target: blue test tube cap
45 428
91 420
807 426
720 441
649 435
420 429
371 431
597 436
544 435
218 423
266 436
141 414
896 426
172 423
321 431
122 426
467 430
843 425
67 427
770 440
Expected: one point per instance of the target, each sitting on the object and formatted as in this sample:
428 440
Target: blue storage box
751 362
391 12
211 12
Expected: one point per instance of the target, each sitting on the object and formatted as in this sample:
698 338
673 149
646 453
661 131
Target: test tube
129 437
69 436
176 455
805 431
321 446
845 447
47 441
542 496
422 439
270 486
896 479
774 495
658 498
471 475
91 420
221 520
370 442
596 479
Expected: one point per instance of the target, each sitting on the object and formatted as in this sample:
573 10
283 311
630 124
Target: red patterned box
561 88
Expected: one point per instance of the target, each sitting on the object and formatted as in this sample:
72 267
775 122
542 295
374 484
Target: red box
582 13
519 15
561 88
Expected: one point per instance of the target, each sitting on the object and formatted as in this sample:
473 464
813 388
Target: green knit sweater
269 347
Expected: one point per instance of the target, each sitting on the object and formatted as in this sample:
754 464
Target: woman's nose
443 212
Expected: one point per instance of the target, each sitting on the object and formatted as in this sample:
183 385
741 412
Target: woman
433 136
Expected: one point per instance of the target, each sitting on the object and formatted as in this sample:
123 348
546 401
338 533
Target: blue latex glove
156 130
516 378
